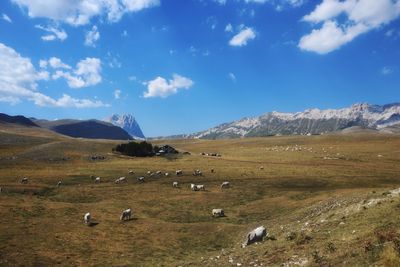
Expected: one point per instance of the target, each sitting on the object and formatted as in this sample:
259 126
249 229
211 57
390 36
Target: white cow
126 215
197 173
120 180
201 187
158 172
178 172
225 185
24 180
87 218
167 174
97 180
175 184
256 235
131 172
59 184
197 187
218 213
140 179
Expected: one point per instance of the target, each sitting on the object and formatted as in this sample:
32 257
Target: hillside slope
20 120
93 129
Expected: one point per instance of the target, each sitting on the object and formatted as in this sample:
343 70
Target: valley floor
325 200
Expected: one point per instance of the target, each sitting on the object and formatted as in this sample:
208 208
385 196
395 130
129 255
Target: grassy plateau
325 201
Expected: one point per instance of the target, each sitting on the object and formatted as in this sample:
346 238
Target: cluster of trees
134 149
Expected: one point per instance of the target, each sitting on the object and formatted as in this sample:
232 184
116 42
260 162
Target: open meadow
325 200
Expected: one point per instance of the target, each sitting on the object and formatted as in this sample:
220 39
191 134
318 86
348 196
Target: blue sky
185 66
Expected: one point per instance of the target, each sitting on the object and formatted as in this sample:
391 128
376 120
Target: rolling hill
20 120
92 129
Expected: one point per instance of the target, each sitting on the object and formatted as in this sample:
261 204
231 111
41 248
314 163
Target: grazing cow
262 168
218 213
120 180
225 185
158 172
178 172
193 187
126 215
148 172
167 174
256 235
197 173
201 187
87 218
140 179
97 180
131 172
197 187
212 171
24 180
175 184
59 184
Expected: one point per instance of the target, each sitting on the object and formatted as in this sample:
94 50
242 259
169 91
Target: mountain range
358 117
309 122
92 129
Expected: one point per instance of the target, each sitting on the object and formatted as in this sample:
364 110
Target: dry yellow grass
43 225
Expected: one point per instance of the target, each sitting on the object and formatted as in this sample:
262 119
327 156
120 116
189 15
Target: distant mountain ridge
310 121
128 123
21 120
93 129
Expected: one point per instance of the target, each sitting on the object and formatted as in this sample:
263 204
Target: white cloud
330 37
160 87
124 33
360 16
256 1
92 37
295 3
212 21
113 61
80 12
241 39
86 73
12 100
387 70
232 77
55 33
277 3
117 94
132 78
6 18
229 28
19 81
389 33
221 2
53 62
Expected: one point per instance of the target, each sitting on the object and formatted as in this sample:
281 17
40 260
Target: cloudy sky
184 66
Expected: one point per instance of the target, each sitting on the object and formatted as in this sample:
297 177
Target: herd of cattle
256 235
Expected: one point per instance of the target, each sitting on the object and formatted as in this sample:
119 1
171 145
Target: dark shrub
134 149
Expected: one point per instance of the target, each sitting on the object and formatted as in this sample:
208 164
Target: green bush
134 149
